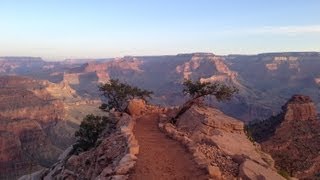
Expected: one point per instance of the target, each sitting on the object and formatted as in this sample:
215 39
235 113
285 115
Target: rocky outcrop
295 142
112 158
203 65
136 107
301 108
219 144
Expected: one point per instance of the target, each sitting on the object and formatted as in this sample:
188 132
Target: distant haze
59 29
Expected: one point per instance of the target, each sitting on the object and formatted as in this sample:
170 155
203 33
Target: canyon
204 144
265 81
43 103
37 122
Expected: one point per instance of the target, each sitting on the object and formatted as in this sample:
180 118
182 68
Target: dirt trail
160 157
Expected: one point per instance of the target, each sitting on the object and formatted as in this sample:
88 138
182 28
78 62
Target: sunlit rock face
37 122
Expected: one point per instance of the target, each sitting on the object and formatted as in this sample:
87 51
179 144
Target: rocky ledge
113 158
219 144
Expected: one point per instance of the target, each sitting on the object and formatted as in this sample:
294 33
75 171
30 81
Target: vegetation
248 133
199 90
118 94
284 174
90 129
259 130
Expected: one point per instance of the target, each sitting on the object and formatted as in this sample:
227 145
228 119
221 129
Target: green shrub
90 129
200 89
118 94
248 132
284 174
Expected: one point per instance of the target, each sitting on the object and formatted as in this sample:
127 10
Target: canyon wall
37 122
265 80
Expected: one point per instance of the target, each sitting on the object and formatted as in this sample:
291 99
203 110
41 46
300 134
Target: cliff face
299 108
24 116
275 77
37 122
295 142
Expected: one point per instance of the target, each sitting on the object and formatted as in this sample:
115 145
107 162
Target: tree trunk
186 106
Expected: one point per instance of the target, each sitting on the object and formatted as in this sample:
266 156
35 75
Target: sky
59 29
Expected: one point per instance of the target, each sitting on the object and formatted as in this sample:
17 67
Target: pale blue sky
57 29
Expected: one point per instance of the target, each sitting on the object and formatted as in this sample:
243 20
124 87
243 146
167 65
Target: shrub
284 174
199 90
90 129
118 94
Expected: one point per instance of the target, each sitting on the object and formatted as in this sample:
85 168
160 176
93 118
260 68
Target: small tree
118 95
90 129
199 90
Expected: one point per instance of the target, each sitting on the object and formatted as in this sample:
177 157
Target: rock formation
219 144
301 108
216 142
294 143
112 158
37 122
24 116
136 107
265 81
275 77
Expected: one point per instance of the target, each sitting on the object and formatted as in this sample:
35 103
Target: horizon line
153 55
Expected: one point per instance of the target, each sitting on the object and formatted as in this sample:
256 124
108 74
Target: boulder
136 107
214 172
250 170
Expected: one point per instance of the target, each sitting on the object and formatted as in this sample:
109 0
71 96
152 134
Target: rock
250 170
136 107
106 171
109 158
65 153
301 108
127 158
34 176
134 149
214 172
119 177
73 161
124 168
217 142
